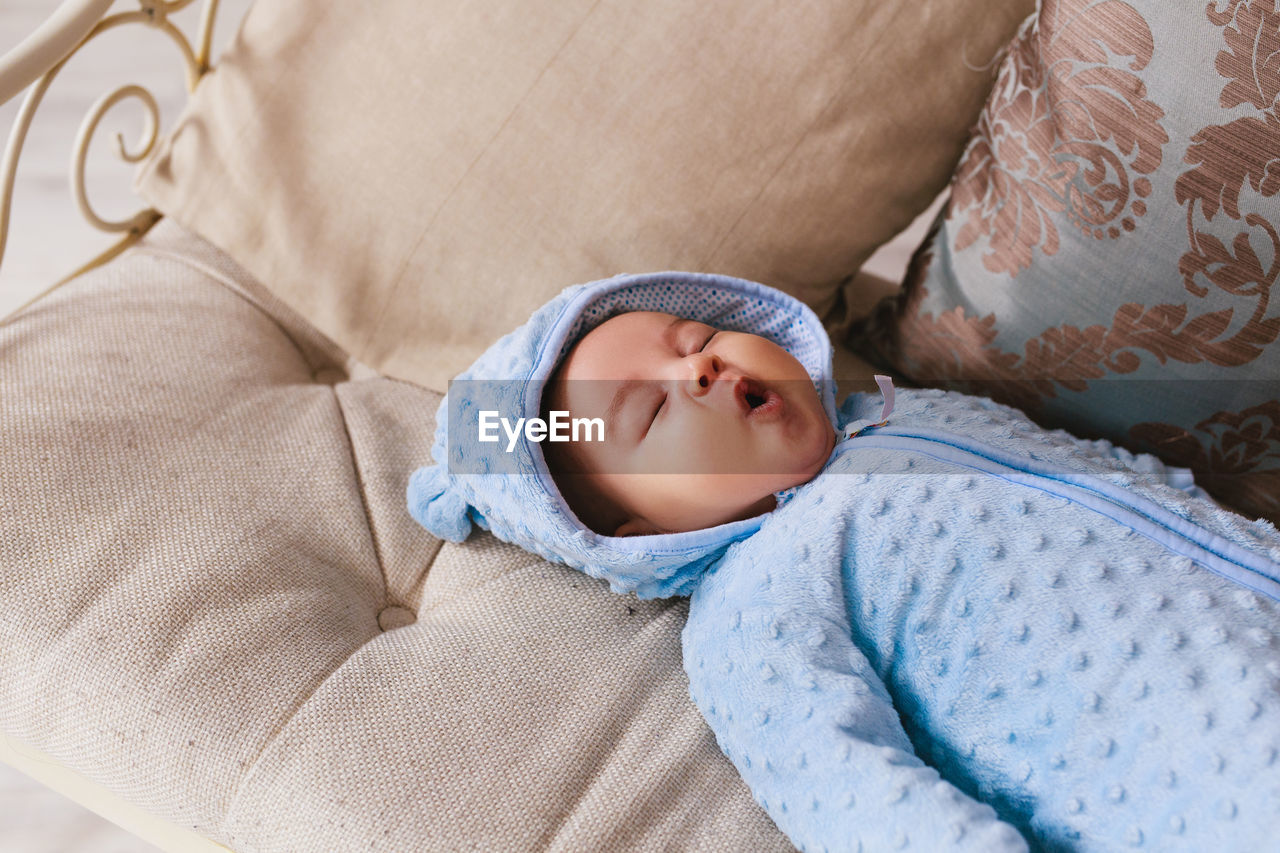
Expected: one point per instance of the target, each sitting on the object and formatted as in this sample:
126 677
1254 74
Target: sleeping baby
914 623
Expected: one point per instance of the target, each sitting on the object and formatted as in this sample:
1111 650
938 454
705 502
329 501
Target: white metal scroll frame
39 58
35 63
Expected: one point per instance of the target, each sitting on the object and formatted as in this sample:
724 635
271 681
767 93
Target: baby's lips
747 387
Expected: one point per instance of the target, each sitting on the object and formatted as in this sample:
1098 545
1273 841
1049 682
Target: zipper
1137 513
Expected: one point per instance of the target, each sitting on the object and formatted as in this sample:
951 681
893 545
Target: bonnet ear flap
435 503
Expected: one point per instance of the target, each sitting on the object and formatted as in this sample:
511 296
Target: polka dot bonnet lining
723 302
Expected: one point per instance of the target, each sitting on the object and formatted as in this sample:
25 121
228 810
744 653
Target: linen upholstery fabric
213 602
1109 256
416 180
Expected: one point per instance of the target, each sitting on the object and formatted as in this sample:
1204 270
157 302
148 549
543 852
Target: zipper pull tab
887 393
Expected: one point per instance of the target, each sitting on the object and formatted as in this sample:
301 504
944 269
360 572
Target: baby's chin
762 492
809 464
724 515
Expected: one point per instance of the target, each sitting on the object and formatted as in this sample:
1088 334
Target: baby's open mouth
756 400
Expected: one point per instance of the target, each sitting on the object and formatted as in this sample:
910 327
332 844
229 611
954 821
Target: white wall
47 237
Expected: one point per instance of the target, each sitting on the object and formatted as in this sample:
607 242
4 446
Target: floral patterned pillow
1110 248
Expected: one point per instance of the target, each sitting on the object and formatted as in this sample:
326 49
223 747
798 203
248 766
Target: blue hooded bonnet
511 492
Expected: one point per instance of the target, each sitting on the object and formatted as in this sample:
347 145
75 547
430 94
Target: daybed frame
35 63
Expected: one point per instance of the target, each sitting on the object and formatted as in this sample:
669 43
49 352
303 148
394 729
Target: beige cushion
415 179
208 590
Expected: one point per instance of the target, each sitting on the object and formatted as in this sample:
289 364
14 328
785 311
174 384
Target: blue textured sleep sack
1034 616
967 632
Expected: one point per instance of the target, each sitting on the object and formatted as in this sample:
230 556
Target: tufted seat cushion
213 602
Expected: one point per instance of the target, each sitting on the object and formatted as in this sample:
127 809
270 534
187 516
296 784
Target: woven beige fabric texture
418 178
213 603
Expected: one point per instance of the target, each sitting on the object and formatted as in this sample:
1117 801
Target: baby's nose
704 368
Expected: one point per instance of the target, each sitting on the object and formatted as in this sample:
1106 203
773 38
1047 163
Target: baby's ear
635 527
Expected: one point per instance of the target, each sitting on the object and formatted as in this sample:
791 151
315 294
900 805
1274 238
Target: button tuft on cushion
395 616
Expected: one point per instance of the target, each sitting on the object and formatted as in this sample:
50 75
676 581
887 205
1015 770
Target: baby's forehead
611 338
627 320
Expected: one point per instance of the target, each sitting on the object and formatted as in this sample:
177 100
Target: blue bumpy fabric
921 629
966 633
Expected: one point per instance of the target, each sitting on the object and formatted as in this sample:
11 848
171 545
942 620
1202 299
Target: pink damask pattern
1007 190
1064 132
1228 158
1236 455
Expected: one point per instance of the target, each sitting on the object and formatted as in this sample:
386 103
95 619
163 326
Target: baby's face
701 426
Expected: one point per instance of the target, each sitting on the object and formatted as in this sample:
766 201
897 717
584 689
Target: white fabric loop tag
887 392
